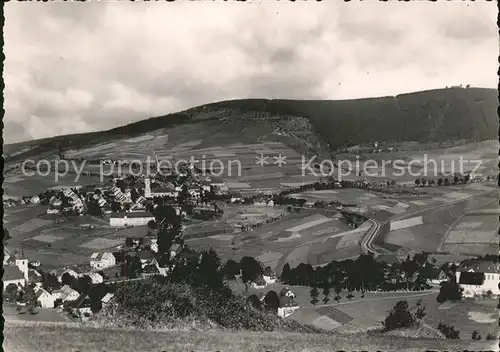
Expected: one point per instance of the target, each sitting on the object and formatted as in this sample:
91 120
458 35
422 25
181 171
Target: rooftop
12 273
478 266
135 214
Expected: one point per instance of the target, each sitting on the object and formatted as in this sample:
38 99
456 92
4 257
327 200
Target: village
156 209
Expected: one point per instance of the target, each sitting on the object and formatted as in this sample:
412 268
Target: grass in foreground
61 338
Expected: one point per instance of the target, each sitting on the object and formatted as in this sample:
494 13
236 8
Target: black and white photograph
262 176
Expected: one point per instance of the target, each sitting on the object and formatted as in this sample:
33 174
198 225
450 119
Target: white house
44 298
65 294
107 299
135 218
269 276
95 278
258 283
287 306
286 292
102 260
478 277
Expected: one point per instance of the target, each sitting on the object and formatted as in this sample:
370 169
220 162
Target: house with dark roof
146 257
286 292
288 306
478 277
12 275
82 306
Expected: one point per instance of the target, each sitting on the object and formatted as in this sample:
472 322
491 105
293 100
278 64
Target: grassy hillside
434 115
45 337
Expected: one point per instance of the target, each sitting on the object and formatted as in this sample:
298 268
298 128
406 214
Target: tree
30 298
251 269
50 282
285 273
326 293
152 224
424 182
11 292
440 182
132 267
254 301
129 242
84 284
134 195
68 279
314 295
338 290
208 270
417 182
231 269
450 291
399 317
446 182
116 207
272 301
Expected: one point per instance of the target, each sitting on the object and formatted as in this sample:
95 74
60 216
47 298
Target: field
301 237
442 212
476 234
64 337
55 245
466 316
18 185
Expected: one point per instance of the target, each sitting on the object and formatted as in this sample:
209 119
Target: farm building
287 306
478 277
65 294
136 218
106 299
259 283
102 260
82 305
44 298
95 278
286 292
269 276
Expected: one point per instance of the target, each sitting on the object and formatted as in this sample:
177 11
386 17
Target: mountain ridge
425 116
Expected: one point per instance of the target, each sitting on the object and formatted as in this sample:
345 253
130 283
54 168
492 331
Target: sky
80 67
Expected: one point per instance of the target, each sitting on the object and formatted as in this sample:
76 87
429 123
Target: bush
490 337
476 336
153 304
399 317
449 331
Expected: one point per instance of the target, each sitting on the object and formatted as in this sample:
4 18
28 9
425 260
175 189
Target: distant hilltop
427 116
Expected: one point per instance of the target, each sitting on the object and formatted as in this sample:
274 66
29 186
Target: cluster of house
476 277
18 273
66 201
